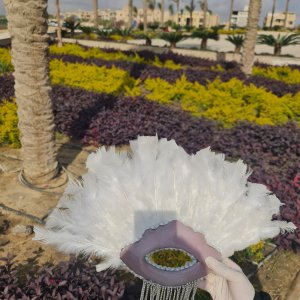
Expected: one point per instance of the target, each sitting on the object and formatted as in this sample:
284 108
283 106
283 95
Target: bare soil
22 208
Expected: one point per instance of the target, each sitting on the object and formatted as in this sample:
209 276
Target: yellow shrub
254 253
5 56
285 74
170 64
9 132
77 50
90 77
226 102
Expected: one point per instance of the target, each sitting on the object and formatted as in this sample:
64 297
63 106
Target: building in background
239 18
122 16
279 20
198 19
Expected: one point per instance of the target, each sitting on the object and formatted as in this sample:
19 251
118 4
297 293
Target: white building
240 18
279 20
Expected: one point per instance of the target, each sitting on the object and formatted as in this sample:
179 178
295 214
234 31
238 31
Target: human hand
227 281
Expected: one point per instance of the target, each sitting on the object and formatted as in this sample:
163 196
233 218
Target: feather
122 195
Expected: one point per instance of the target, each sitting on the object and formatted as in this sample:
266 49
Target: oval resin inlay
170 259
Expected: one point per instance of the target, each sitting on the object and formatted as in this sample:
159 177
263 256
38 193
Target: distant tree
96 16
237 41
172 37
130 13
230 13
278 42
205 35
177 3
171 11
286 13
191 8
204 7
273 11
145 15
162 12
72 24
59 35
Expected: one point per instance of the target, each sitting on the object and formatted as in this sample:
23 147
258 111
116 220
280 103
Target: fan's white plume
203 191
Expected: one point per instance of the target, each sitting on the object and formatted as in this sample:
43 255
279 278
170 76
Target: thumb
222 269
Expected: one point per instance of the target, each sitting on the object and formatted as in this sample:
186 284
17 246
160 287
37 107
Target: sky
220 7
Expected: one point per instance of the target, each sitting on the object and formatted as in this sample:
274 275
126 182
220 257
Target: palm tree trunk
191 13
203 45
250 37
286 13
59 36
177 5
95 6
230 13
238 49
130 13
162 13
145 9
273 11
205 14
277 50
27 23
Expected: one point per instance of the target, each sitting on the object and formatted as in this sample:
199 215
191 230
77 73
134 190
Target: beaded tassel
154 291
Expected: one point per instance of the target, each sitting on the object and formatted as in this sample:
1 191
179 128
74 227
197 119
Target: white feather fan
203 191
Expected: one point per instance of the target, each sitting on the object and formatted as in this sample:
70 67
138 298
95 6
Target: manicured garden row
143 71
225 102
280 73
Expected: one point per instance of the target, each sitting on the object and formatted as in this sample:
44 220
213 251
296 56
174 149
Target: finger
228 262
221 269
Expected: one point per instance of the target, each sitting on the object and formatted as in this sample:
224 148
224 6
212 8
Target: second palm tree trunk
96 16
286 13
145 15
250 37
162 13
59 35
130 13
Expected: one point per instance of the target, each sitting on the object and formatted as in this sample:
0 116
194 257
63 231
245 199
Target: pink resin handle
172 235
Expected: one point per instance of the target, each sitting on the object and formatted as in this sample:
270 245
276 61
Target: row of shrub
201 75
226 102
279 80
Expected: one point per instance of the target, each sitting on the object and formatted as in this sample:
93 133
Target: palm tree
190 8
230 13
145 15
162 12
177 2
237 41
172 37
205 35
72 24
273 11
151 6
286 13
279 41
171 11
95 6
130 13
204 7
250 36
32 88
59 35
